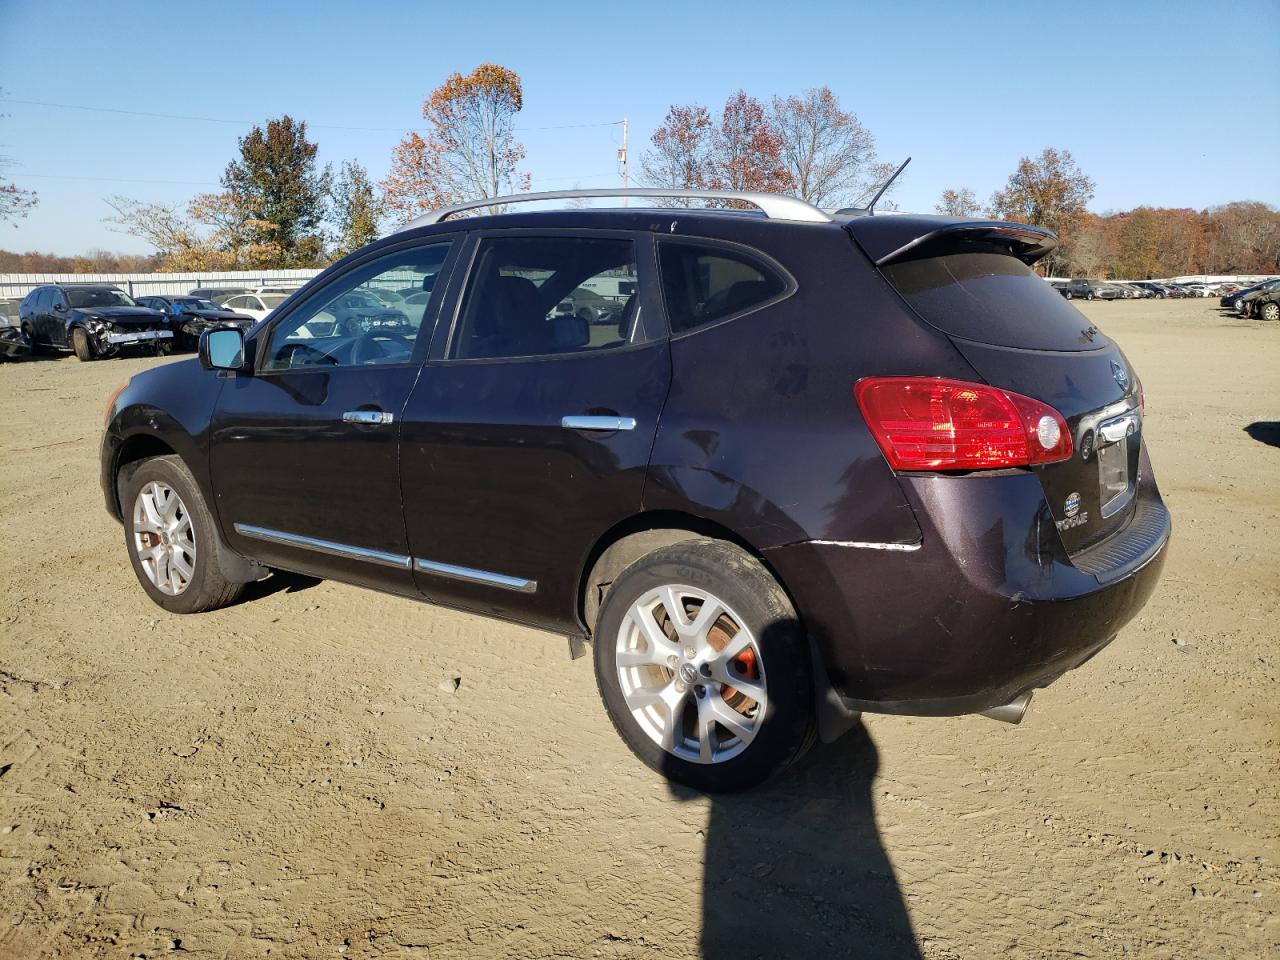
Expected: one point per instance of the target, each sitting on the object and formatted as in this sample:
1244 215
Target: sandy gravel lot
297 776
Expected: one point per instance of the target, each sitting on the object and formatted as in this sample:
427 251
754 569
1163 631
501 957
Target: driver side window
372 315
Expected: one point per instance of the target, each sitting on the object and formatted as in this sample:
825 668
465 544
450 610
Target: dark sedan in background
191 316
94 320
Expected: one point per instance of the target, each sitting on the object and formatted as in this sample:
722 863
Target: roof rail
775 206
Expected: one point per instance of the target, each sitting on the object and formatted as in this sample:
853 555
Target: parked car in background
256 305
819 464
191 316
590 306
216 294
1240 300
13 342
1152 289
1266 305
360 312
1092 290
93 320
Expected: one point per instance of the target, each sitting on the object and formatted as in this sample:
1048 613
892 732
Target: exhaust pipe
1011 712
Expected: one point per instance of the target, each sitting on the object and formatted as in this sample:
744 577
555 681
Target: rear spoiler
887 240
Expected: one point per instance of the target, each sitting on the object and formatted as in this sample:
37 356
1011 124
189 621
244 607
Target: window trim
262 335
653 327
790 286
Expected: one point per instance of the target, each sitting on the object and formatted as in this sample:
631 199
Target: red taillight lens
922 423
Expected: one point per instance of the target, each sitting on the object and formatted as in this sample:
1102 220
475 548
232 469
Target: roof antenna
871 207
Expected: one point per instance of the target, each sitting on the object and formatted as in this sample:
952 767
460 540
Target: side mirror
60 306
222 349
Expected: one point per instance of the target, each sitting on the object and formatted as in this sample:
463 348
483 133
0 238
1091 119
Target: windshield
97 297
272 300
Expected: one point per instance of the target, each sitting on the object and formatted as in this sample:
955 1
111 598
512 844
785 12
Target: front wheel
171 538
1089 295
81 345
1269 311
704 668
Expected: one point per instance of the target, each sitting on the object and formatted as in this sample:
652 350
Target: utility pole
622 158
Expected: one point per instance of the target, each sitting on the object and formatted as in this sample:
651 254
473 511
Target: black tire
740 581
81 345
1089 295
207 589
1070 295
1269 311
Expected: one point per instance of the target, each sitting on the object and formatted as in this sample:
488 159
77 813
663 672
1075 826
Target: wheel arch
628 541
131 451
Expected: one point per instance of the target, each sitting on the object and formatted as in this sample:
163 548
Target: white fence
143 284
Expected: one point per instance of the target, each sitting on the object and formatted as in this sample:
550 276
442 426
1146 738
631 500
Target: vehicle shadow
280 581
795 868
1265 431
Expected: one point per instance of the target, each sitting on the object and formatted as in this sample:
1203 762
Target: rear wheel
171 539
81 345
703 666
1269 311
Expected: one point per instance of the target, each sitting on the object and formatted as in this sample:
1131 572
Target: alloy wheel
691 674
163 538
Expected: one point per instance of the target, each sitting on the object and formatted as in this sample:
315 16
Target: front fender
166 409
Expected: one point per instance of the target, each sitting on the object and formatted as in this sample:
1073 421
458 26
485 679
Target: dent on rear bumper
987 606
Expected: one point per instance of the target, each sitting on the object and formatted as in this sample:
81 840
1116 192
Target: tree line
279 208
1147 242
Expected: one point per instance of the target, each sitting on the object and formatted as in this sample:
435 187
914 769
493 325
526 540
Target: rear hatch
973 282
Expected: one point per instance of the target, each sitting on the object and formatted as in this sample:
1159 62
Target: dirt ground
300 776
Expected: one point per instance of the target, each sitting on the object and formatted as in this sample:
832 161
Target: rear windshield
992 298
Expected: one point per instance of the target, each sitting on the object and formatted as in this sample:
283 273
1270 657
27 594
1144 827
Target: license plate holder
1113 476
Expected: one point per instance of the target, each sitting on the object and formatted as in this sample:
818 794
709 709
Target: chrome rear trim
867 545
328 547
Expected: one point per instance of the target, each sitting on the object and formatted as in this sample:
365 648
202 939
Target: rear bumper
986 607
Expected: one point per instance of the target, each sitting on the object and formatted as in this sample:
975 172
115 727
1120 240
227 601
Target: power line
246 123
56 176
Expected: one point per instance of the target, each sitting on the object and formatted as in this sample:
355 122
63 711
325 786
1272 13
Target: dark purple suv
806 465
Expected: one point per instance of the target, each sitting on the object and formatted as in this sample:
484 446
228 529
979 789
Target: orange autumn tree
469 149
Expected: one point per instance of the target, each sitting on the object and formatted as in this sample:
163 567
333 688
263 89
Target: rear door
528 435
1020 335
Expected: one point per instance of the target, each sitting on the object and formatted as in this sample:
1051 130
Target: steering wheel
302 355
363 351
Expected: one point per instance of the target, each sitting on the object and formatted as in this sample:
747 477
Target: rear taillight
923 423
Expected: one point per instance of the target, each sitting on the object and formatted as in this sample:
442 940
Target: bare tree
681 155
828 154
470 150
958 202
15 203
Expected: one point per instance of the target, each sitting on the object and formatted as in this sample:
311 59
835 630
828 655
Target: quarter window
347 324
540 296
702 284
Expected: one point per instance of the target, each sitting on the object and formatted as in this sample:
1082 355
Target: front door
528 435
304 452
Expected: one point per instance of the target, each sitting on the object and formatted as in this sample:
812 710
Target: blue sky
1167 104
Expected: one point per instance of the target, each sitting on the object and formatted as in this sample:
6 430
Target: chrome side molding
471 575
346 551
599 424
396 560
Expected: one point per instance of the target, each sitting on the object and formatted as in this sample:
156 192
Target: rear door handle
600 424
368 416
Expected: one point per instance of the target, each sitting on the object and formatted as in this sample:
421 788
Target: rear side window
702 283
992 298
544 296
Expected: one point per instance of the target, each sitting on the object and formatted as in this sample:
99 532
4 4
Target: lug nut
689 653
671 661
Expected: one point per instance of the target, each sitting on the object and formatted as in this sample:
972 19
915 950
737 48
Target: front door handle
599 424
368 416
